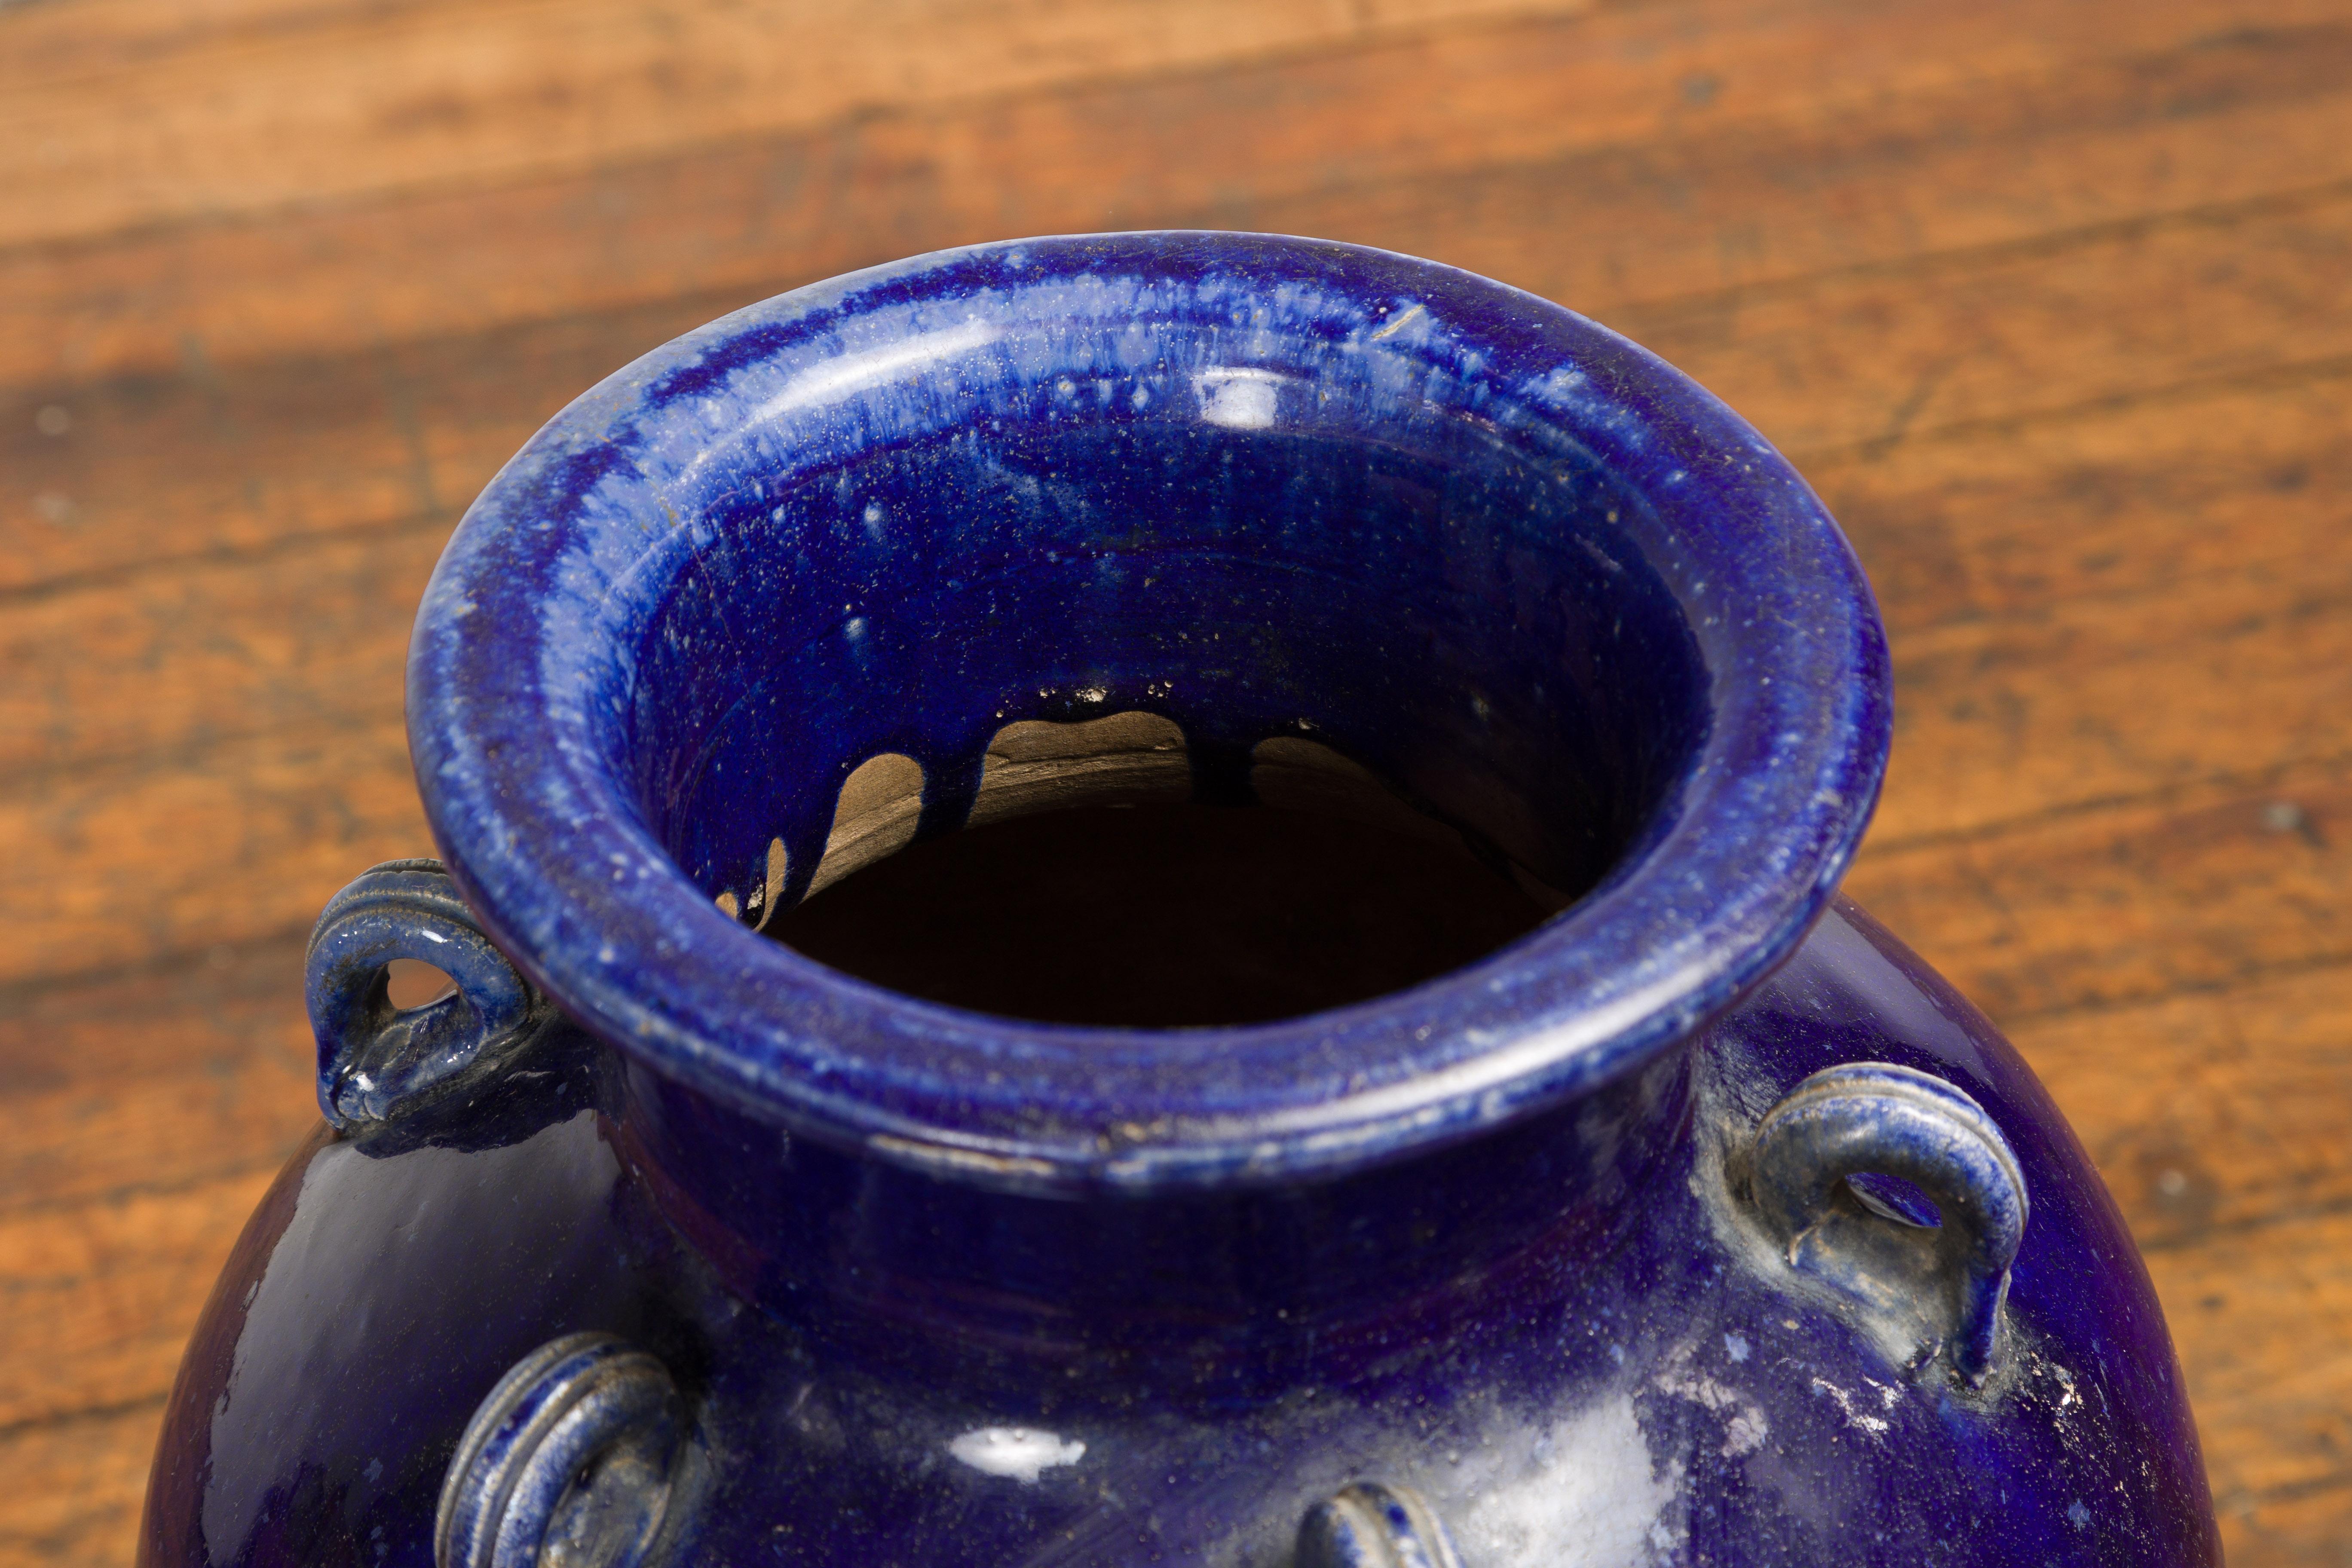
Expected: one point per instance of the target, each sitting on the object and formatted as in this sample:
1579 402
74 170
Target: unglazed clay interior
1092 888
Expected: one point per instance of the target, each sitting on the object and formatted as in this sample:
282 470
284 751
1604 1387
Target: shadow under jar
1161 898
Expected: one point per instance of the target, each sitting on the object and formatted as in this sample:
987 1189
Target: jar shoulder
1685 1394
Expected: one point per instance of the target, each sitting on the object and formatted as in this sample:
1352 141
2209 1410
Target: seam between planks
1367 41
1967 257
1363 38
123 574
88 1413
2244 1225
1869 451
178 758
158 965
2238 785
2293 1491
2284 376
127 1190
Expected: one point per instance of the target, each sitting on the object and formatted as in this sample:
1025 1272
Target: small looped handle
1949 1282
573 1457
372 1055
1369 1525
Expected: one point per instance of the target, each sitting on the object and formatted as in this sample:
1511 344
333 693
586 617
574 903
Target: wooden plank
2200 888
1783 168
2251 659
213 651
115 866
225 456
1727 199
2209 1111
155 1079
2256 665
2196 886
2218 672
76 1488
145 469
99 1297
2263 1322
2292 1528
232 455
142 471
2254 662
1865 360
2113 501
245 119
92 38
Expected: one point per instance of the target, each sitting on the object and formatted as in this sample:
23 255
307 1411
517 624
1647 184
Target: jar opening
1193 518
1163 916
1108 596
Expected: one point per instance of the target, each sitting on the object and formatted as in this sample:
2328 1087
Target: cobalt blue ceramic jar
1699 1224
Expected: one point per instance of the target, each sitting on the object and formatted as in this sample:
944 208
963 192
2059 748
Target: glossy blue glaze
582 1406
1655 1395
375 1057
936 1288
1938 1274
1264 487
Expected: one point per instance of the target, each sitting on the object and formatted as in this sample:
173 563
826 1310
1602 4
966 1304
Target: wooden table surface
2052 302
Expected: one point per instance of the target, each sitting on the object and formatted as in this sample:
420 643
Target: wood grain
2009 523
1707 148
97 1111
2274 1421
2213 1110
229 120
291 811
2125 900
76 1484
2053 303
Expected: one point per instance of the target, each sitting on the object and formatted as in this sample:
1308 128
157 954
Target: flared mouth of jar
1151 516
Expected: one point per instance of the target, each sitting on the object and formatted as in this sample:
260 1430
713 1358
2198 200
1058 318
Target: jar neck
1240 1290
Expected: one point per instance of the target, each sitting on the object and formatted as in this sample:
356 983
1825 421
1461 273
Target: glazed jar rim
558 864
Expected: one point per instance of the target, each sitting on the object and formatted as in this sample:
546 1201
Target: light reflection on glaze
1583 1490
1022 1453
1237 398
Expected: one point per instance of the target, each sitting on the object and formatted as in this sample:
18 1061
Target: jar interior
1162 916
1434 650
